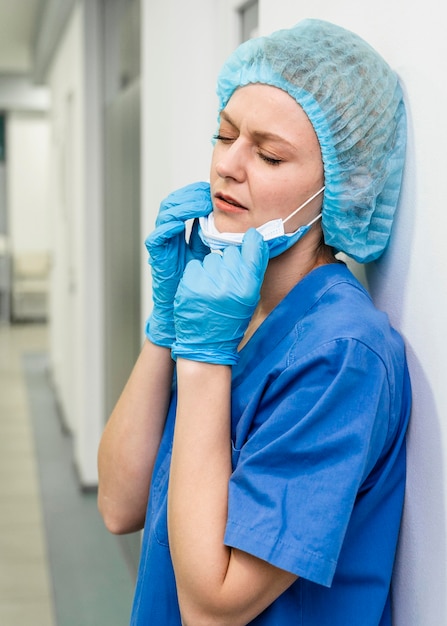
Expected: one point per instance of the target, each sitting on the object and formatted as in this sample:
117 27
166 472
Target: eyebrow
261 135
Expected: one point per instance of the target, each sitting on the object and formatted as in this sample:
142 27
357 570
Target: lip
227 203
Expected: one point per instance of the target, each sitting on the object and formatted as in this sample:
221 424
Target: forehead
267 109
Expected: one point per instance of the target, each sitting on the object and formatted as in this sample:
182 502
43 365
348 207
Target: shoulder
337 308
327 321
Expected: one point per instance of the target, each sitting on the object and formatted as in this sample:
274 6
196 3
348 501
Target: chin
229 223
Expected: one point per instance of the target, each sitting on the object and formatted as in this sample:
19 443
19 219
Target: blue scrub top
320 406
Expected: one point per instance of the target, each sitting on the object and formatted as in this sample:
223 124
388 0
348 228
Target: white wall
65 81
76 309
90 364
409 281
27 182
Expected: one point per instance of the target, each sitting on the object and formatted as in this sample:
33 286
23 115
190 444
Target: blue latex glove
169 252
216 300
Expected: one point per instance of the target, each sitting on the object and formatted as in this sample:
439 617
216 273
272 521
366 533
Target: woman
272 444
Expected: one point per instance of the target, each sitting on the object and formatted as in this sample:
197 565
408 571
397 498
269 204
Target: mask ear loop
305 204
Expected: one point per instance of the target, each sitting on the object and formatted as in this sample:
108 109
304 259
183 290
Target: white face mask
273 232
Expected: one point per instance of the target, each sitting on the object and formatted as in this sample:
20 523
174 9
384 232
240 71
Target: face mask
273 233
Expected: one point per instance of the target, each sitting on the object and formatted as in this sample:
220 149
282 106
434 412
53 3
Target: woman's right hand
216 300
169 252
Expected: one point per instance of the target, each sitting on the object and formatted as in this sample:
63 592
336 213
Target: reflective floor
25 584
58 564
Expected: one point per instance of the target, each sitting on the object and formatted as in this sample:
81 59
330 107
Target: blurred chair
30 286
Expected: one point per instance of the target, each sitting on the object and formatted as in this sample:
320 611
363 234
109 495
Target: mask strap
305 204
315 219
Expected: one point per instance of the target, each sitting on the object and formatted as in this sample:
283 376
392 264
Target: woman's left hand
216 300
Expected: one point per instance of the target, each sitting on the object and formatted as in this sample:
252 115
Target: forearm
200 470
131 439
216 585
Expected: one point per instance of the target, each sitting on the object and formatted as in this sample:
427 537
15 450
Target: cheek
275 189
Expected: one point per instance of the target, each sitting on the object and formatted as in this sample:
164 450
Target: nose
230 161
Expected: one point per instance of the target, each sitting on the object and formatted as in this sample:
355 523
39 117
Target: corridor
58 564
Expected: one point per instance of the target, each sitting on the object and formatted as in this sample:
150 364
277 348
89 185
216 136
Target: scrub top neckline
279 322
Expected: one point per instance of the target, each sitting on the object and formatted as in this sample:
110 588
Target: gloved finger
197 248
191 201
212 264
191 275
167 248
254 252
162 234
239 279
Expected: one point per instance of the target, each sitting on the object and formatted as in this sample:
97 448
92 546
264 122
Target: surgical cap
354 101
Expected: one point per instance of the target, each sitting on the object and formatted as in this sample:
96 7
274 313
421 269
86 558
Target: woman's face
266 161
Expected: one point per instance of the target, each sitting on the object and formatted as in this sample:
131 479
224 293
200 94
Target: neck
285 271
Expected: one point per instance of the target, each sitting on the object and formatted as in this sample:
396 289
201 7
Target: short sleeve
317 431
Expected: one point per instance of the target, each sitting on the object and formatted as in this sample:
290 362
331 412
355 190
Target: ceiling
19 20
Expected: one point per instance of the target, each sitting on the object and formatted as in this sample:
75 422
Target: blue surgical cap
354 101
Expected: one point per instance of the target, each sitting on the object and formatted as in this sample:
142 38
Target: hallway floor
58 564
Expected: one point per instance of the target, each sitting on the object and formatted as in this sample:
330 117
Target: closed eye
223 138
228 139
268 159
